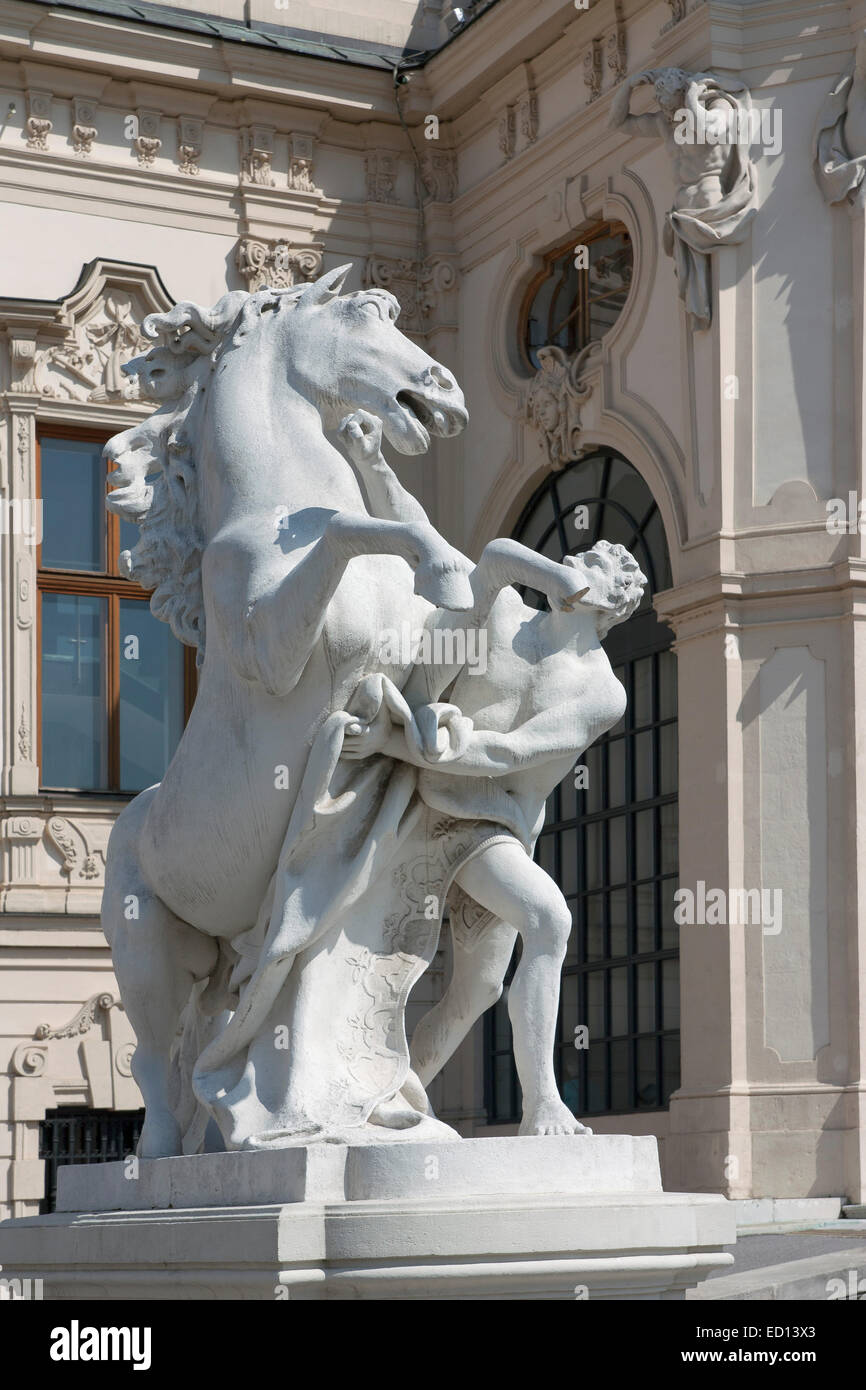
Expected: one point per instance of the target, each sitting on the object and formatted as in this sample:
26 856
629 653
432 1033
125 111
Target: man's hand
362 739
361 436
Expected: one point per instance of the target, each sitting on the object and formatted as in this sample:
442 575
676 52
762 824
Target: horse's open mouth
434 418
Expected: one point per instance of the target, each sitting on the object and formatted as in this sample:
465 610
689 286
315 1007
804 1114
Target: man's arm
361 434
620 117
555 733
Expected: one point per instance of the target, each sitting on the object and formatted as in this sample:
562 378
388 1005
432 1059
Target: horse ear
327 285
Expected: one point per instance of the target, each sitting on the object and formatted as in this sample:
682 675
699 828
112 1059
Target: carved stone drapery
839 145
556 396
705 124
421 289
276 263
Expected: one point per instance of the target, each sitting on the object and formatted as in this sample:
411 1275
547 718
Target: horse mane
155 470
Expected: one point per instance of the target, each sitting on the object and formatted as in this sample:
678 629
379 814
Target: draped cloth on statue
839 170
353 914
691 233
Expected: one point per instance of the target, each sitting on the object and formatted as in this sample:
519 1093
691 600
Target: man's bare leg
504 880
475 985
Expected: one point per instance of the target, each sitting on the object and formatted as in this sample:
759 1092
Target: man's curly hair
627 583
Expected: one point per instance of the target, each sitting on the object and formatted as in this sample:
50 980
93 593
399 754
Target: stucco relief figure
271 903
555 397
705 124
840 135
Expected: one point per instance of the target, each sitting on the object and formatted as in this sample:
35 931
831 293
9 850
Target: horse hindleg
157 959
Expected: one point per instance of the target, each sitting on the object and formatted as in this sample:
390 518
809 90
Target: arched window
611 846
576 298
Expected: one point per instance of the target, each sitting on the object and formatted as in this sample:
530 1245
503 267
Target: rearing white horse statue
273 901
249 518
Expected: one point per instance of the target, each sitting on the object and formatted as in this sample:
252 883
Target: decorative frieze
257 155
276 263
508 131
422 289
37 127
616 51
189 143
679 10
592 70
24 745
439 175
147 143
84 130
54 854
381 168
527 112
301 164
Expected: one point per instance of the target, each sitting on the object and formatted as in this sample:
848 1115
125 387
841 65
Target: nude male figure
698 166
547 692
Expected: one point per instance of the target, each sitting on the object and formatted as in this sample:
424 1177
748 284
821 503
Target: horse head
344 352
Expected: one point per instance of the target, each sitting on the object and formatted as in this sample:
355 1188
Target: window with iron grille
611 845
72 1135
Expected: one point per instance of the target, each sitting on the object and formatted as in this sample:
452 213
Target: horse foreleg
270 631
157 959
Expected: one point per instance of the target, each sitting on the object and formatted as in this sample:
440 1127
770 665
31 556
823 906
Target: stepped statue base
549 1217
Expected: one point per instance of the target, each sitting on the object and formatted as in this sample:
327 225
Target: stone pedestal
549 1218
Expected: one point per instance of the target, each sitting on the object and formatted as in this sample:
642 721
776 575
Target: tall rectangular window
114 682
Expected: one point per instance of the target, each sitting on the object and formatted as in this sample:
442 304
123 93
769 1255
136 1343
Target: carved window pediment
73 349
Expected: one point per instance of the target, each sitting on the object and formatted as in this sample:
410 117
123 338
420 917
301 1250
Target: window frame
112 586
595 231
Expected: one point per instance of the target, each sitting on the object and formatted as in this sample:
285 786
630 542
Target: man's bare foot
395 1113
551 1117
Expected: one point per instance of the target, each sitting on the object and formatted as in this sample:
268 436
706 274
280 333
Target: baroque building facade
660 341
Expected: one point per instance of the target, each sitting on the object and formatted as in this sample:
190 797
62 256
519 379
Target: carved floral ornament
276 263
30 1057
103 1015
420 287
